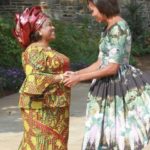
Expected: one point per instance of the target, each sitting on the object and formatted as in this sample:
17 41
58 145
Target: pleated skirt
118 112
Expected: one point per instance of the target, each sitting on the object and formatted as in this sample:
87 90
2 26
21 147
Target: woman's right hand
71 80
68 73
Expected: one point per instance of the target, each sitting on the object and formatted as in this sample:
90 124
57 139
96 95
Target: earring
40 33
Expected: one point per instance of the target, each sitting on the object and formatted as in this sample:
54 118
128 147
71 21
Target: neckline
46 47
105 28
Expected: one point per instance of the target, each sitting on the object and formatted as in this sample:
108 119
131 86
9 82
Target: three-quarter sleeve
37 79
117 41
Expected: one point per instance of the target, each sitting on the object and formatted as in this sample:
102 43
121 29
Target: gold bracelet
62 77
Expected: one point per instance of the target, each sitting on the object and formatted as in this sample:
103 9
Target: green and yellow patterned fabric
44 100
40 88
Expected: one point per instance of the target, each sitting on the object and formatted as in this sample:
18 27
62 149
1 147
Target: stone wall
66 9
13 6
71 10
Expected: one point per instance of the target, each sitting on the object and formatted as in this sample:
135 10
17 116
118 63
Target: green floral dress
44 102
118 108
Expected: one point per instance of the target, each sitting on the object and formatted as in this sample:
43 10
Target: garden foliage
79 41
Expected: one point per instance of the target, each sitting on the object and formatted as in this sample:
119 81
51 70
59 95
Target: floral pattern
118 108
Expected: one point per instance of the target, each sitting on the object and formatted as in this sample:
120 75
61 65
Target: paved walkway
11 123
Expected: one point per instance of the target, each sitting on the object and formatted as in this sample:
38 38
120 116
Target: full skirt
118 112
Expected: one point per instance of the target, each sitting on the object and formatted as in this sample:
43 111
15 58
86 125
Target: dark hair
109 8
35 36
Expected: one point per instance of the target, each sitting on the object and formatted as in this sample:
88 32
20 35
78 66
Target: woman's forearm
104 72
90 68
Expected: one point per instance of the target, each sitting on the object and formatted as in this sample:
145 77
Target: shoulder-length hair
109 8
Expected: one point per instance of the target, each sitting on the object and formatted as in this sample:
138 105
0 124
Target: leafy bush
140 36
10 51
139 49
11 79
134 19
2 85
77 42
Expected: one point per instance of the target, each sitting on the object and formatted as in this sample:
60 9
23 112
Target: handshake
70 78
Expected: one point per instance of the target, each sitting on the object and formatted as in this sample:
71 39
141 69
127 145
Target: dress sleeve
100 55
116 45
37 80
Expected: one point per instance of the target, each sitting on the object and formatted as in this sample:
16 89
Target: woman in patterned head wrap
44 100
118 107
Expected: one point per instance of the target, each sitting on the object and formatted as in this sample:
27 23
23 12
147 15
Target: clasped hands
70 78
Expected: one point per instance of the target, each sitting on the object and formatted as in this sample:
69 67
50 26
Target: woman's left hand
71 80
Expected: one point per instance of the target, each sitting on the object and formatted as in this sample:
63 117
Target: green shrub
11 78
2 85
10 51
132 60
140 36
76 41
134 19
138 49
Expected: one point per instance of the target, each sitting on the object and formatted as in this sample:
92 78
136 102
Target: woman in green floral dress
118 107
44 100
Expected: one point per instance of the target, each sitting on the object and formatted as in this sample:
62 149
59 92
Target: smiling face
47 31
99 17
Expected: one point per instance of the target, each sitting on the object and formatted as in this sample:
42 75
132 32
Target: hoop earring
40 33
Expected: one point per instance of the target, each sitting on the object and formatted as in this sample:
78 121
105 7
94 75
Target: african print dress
118 107
44 101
